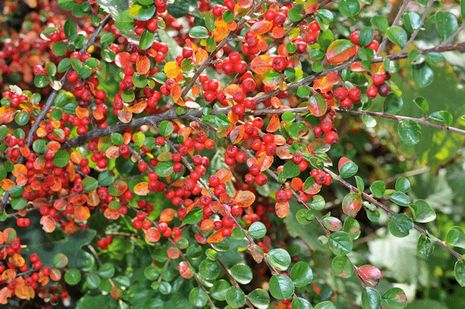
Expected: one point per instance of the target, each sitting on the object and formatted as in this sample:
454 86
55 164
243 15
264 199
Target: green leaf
41 81
166 128
422 74
290 170
257 230
194 216
342 266
446 24
366 36
443 117
303 91
397 35
18 203
198 297
340 243
281 287
22 118
402 184
400 225
422 212
146 40
241 273
300 303
325 305
93 280
422 103
301 274
400 198
370 298
295 14
107 270
179 8
59 49
90 184
219 290
164 168
347 168
140 12
411 21
409 132
209 270
318 203
124 22
425 246
61 158
198 32
114 7
456 237
235 297
378 188
279 259
70 28
394 298
72 276
459 272
259 298
349 8
393 104
380 22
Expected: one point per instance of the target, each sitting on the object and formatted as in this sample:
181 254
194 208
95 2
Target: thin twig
220 45
428 8
389 211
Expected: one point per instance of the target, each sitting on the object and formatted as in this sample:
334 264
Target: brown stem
389 211
49 104
422 120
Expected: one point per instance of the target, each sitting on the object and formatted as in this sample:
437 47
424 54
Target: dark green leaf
400 225
281 287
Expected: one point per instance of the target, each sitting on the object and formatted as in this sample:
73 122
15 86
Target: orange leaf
216 237
224 175
221 30
48 224
283 153
7 114
152 235
237 134
261 27
112 152
138 108
81 213
176 92
264 161
274 124
167 215
244 198
261 64
142 188
5 293
326 83
282 209
143 64
201 56
17 260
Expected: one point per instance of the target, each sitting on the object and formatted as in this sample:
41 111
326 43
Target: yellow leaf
172 69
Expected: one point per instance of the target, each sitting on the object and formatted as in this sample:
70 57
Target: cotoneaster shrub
159 154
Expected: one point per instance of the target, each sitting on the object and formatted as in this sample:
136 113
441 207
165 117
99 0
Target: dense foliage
286 154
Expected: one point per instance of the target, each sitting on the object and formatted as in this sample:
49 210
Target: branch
389 211
52 96
395 22
422 120
428 7
220 45
49 104
171 114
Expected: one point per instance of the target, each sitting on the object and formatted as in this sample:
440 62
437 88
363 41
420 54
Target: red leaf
340 51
